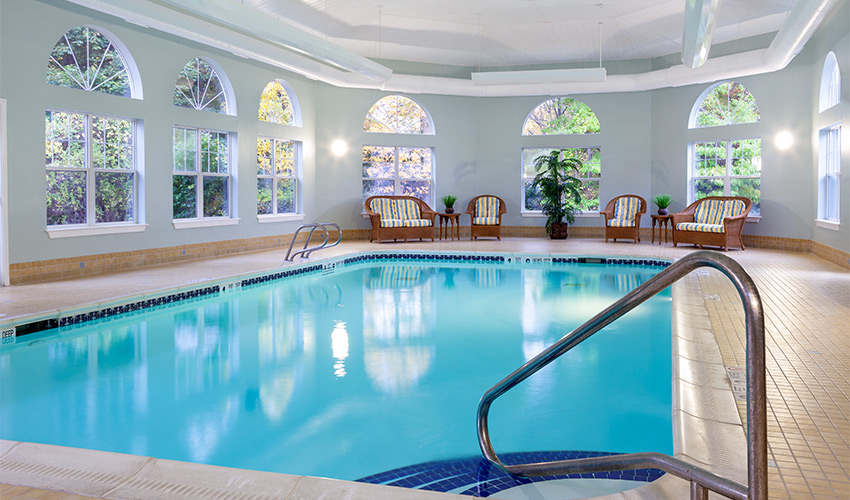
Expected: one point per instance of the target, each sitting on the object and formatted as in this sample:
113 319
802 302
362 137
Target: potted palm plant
560 190
662 201
449 201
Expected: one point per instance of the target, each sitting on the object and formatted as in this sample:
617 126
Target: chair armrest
682 217
736 223
609 214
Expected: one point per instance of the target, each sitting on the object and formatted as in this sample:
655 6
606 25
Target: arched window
727 103
201 86
87 59
729 167
397 114
829 145
278 104
92 179
830 83
398 170
561 116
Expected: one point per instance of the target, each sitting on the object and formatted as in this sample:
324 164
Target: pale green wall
477 145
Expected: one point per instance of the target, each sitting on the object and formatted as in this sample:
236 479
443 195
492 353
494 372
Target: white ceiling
506 33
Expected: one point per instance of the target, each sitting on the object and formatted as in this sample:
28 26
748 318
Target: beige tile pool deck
807 319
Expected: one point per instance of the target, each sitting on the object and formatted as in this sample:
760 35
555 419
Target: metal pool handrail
701 480
305 252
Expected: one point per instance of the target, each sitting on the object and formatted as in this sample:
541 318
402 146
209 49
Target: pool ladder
701 481
305 252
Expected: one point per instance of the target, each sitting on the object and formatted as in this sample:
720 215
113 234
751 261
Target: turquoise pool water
346 374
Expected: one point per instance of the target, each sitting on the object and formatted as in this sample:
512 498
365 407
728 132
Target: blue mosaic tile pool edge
381 256
475 476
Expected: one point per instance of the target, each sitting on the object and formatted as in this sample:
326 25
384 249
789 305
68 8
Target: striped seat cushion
703 228
416 222
625 209
714 211
485 221
621 223
392 222
487 206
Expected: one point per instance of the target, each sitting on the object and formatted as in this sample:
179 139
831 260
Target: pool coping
707 429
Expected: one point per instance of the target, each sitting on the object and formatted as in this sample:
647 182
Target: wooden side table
663 221
452 222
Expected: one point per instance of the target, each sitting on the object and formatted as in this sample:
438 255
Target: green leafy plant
662 200
560 190
449 200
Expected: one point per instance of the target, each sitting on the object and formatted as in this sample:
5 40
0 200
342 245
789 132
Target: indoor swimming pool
353 370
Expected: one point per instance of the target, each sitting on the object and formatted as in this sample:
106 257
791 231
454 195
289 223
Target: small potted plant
560 190
662 201
449 201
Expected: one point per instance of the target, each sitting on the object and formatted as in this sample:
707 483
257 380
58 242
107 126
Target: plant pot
558 230
450 210
662 211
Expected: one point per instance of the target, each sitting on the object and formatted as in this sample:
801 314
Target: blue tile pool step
477 477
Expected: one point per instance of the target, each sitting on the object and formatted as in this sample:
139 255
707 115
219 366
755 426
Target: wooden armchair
622 217
486 212
713 220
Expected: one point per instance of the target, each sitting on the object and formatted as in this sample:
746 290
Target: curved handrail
305 252
701 480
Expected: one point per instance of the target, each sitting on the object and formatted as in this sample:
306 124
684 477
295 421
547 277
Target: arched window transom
86 59
277 106
200 87
728 103
397 114
561 116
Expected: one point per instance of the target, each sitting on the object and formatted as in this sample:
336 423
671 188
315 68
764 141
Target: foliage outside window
728 168
590 175
275 105
393 170
729 103
830 173
91 171
561 116
276 176
201 177
397 114
86 59
199 87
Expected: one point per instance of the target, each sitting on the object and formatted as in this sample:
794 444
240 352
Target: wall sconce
339 147
784 140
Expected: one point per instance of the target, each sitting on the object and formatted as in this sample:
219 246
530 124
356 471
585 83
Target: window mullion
727 180
90 173
199 177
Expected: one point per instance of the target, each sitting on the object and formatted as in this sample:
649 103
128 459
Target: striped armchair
713 220
622 217
486 212
399 217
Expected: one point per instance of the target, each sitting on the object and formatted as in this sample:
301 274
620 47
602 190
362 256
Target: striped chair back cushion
714 211
407 209
487 206
626 208
385 207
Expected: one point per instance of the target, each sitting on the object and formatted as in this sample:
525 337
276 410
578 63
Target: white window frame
524 212
296 214
397 180
91 227
727 177
200 220
829 177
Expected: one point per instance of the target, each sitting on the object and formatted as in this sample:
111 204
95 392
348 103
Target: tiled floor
807 315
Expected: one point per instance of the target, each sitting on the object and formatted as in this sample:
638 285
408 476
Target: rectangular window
91 169
394 170
590 174
727 168
277 181
201 177
830 173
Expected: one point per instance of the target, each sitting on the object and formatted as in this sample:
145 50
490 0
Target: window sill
269 218
828 224
539 215
194 223
72 232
